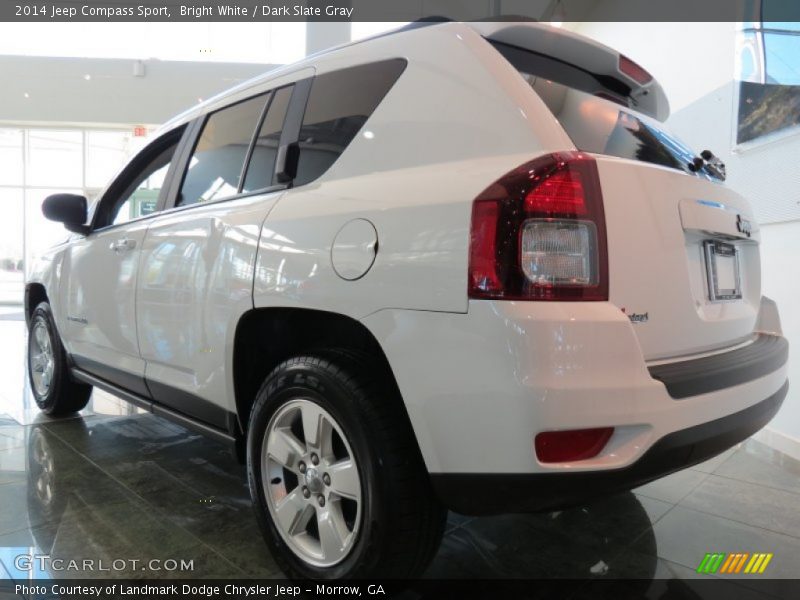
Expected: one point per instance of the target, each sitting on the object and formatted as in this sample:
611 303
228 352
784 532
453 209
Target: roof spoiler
630 80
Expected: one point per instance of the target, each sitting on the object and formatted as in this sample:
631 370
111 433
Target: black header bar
787 11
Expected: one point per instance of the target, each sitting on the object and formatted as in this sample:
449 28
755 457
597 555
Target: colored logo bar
734 562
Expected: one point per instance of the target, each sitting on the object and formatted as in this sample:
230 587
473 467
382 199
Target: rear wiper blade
710 162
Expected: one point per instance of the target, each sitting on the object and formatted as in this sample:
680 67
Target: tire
394 527
54 390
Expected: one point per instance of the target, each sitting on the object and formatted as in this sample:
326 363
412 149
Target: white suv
456 266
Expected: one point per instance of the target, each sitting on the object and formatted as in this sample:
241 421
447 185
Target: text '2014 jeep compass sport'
457 266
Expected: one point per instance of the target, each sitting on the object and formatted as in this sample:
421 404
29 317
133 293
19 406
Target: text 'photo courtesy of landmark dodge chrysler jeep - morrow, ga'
458 266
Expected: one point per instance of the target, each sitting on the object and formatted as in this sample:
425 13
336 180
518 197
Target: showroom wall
105 91
696 65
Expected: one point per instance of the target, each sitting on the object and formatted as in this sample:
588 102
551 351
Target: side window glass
262 162
144 199
135 193
338 106
216 164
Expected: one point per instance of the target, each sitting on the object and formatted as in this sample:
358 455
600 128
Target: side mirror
69 209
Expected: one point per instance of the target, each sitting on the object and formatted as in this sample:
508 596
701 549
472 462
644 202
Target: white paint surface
695 64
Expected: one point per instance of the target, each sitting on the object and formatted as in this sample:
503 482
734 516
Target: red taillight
484 244
538 233
562 192
569 446
634 71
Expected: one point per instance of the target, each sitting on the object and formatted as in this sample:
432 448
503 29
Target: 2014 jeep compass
457 266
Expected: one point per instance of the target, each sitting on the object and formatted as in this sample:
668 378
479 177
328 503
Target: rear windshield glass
598 125
602 127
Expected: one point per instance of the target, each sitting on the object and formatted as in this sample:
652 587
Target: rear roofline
503 97
584 53
569 47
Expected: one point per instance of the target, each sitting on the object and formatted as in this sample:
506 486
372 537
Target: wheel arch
35 294
265 337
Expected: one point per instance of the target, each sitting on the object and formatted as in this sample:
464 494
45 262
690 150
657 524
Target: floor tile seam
767 529
760 485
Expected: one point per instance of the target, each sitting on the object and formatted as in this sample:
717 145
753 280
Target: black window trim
199 124
251 146
290 134
196 205
293 121
248 157
299 107
182 160
134 168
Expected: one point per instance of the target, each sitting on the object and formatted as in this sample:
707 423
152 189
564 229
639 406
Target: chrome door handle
123 245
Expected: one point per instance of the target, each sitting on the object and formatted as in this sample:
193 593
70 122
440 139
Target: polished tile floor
114 482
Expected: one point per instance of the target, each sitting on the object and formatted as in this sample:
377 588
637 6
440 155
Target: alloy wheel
41 359
311 482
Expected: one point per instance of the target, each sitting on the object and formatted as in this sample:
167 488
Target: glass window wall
39 162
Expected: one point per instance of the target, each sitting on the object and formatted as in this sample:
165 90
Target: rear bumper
479 387
684 379
494 493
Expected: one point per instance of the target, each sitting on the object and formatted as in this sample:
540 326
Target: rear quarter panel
457 119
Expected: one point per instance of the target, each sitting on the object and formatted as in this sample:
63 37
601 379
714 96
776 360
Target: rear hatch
670 239
682 247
